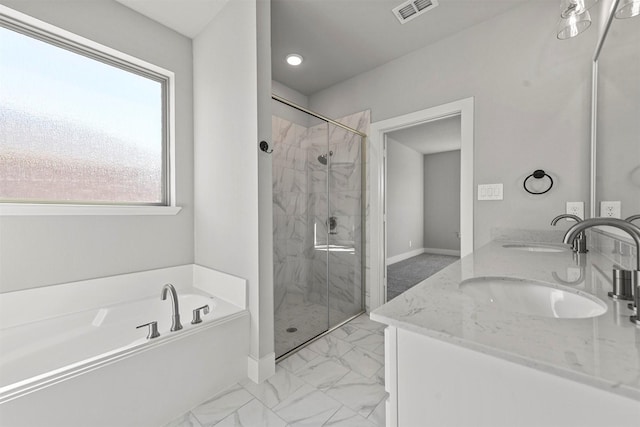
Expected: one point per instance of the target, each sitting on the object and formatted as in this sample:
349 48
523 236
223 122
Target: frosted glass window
74 129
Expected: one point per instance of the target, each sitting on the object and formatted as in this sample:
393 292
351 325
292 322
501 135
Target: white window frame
26 24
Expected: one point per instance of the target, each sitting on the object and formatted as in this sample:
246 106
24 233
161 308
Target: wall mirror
616 117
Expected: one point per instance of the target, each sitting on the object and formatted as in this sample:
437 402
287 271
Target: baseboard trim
416 252
437 251
260 370
406 255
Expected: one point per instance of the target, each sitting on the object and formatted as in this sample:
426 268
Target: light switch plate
490 192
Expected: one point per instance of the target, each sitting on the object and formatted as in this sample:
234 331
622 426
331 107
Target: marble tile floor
336 381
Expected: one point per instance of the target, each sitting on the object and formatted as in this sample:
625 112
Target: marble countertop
602 351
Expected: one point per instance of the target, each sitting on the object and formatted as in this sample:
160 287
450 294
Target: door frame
377 174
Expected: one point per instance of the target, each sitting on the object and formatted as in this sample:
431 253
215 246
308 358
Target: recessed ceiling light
294 59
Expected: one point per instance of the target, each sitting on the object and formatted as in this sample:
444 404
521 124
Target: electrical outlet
611 209
575 208
410 243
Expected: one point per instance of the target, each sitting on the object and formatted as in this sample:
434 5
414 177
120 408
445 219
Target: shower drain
292 330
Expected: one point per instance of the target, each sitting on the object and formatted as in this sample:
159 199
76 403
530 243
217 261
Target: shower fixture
323 157
332 223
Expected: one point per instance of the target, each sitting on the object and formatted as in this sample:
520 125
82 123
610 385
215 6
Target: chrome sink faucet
633 218
175 318
579 244
626 283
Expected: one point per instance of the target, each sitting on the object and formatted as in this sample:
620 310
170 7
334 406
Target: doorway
378 174
422 202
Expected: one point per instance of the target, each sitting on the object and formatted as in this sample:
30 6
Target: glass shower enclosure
318 223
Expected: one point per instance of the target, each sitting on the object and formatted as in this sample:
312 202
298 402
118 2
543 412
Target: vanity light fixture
573 25
574 17
575 7
294 59
628 9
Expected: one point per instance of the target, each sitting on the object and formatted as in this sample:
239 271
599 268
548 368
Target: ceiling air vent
412 9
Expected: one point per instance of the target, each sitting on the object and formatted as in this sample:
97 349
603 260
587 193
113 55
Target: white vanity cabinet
435 383
453 359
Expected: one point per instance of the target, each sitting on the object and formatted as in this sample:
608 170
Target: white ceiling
432 137
339 39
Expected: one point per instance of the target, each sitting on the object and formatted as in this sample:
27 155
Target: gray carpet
408 273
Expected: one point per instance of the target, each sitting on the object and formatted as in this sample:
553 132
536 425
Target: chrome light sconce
574 17
627 9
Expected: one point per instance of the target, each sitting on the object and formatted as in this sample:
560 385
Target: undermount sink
532 298
535 247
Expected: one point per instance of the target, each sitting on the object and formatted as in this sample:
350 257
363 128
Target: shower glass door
317 211
345 213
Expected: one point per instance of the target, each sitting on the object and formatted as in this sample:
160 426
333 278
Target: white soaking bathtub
71 354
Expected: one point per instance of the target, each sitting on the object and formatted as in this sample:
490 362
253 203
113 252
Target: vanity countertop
601 351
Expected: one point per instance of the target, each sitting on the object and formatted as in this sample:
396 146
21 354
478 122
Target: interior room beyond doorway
422 201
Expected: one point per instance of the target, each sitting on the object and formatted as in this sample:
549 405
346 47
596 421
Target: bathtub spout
175 318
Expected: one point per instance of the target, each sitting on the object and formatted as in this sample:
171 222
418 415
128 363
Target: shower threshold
316 338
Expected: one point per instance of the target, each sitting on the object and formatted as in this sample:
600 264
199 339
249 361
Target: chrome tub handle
196 314
153 329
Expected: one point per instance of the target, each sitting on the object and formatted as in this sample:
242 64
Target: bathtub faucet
175 318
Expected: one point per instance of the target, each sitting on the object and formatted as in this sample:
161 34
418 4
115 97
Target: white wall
45 250
283 111
532 107
405 199
232 180
442 200
289 94
261 294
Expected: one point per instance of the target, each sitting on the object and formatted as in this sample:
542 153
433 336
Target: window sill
25 209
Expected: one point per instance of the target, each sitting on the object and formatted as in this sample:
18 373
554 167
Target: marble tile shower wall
343 203
362 122
318 212
290 226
